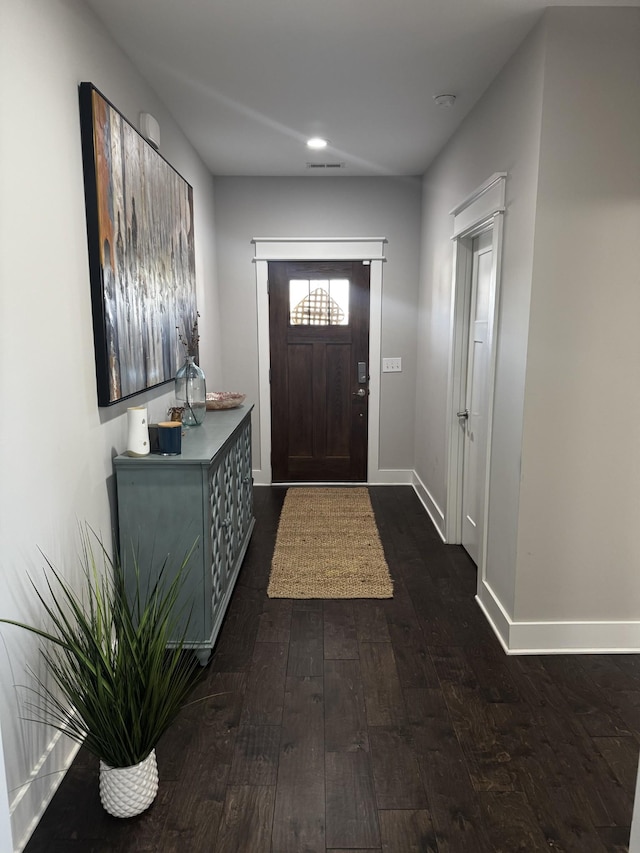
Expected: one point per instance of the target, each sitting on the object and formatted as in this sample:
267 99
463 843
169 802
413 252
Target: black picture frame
141 253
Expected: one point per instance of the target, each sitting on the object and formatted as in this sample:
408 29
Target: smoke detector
444 100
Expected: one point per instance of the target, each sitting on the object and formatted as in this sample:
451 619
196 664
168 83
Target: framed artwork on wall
141 253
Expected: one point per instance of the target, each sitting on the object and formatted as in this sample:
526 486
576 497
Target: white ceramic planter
128 791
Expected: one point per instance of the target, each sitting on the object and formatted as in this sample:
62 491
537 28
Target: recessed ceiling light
444 100
317 143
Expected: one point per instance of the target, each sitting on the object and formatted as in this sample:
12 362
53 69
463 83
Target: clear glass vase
191 392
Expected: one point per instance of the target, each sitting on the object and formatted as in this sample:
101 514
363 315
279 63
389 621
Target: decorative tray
224 400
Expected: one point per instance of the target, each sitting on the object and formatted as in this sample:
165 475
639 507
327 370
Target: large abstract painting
141 252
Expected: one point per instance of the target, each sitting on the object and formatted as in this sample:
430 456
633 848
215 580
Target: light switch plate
391 365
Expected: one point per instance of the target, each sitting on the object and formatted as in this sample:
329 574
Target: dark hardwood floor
396 726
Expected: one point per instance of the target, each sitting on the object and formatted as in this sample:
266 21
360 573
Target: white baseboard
30 801
532 638
433 510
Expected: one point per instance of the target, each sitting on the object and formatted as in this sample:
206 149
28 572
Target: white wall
563 120
57 446
578 553
502 134
324 207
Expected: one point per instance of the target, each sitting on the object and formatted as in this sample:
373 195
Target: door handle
464 414
361 392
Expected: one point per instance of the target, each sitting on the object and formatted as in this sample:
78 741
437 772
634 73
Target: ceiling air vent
325 166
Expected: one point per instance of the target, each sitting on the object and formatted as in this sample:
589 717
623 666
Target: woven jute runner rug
328 546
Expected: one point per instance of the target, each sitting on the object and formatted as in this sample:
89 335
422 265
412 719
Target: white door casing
369 250
474 421
482 211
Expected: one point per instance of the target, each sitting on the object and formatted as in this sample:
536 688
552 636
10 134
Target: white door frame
483 210
367 249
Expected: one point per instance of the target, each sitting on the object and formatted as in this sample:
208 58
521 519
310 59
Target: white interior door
473 419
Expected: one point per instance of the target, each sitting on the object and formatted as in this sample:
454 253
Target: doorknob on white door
464 414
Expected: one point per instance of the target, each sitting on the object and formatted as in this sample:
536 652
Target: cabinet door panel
244 483
230 520
218 500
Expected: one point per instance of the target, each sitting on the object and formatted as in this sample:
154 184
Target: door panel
475 444
338 402
319 331
299 367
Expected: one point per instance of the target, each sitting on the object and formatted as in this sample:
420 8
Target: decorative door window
318 302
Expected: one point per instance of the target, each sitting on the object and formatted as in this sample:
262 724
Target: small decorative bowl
224 400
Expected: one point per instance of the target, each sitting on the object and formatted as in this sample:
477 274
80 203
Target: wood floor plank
340 637
612 673
428 719
562 794
453 803
302 739
413 661
615 839
473 721
189 802
351 812
491 668
621 754
247 819
264 698
306 648
274 625
345 713
395 769
626 705
562 819
438 626
371 622
299 818
316 604
382 691
511 824
584 698
601 795
197 831
255 759
537 687
410 831
209 724
235 644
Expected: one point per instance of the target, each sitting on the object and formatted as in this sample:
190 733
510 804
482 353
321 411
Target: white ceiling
250 80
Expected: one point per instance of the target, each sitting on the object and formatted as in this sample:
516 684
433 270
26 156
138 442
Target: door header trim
482 204
306 248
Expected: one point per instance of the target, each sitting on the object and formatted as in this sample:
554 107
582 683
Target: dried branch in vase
190 340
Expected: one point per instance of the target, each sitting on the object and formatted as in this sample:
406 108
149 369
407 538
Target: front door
319 341
474 417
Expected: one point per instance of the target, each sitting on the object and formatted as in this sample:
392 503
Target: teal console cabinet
199 502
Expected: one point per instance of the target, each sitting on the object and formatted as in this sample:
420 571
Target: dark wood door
319 333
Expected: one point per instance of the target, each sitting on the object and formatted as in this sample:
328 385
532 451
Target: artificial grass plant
120 687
